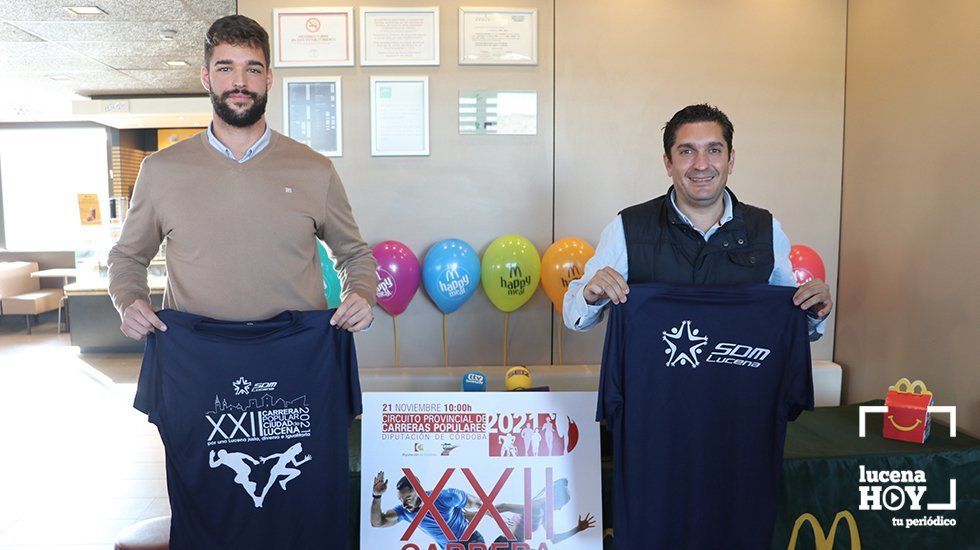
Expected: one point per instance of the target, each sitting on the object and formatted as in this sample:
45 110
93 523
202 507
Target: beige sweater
240 237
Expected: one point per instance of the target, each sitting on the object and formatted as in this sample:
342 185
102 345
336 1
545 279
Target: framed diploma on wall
399 36
399 115
312 37
311 113
498 36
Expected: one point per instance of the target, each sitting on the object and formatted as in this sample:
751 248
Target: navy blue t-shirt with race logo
254 419
697 385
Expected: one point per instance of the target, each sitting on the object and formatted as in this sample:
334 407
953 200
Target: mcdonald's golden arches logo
825 541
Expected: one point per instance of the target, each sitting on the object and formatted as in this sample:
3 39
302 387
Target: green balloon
510 271
331 281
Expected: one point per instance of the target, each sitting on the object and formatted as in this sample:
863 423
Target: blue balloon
451 273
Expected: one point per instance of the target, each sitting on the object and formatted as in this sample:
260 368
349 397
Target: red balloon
806 264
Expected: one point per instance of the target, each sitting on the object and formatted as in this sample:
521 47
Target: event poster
494 471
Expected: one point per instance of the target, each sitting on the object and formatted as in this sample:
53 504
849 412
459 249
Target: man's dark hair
404 484
701 112
236 30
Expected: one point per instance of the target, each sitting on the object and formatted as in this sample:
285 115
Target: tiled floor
77 462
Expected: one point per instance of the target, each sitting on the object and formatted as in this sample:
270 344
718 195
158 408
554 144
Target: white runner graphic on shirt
286 467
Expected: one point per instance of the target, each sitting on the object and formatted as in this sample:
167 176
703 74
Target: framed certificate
399 116
498 36
399 36
312 37
311 113
498 112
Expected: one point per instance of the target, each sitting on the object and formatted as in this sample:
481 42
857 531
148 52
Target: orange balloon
562 263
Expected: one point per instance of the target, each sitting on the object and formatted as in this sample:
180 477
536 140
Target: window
43 173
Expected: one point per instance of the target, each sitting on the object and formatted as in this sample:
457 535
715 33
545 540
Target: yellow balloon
510 271
562 263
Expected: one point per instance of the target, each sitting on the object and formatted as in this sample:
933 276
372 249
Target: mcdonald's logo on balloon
825 541
563 262
511 271
450 273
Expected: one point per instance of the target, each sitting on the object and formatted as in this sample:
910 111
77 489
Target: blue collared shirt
256 147
579 315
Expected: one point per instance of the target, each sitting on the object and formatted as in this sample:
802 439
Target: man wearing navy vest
698 233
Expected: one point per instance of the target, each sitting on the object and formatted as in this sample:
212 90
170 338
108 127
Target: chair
20 294
149 534
34 303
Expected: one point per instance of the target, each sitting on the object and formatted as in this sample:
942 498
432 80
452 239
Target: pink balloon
398 276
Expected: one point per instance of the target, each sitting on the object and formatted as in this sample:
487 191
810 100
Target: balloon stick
506 320
394 320
560 327
445 347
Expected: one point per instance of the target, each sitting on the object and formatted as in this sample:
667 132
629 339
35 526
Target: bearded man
240 207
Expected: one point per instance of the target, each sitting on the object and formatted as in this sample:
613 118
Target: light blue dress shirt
256 147
580 316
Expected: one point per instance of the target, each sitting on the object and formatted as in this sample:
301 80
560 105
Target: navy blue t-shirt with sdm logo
254 419
697 385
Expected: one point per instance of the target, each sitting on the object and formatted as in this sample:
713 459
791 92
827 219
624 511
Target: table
58 272
64 273
96 320
821 476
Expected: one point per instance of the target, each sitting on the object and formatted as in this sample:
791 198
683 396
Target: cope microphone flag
473 381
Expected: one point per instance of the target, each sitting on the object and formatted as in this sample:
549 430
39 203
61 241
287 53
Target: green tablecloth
821 470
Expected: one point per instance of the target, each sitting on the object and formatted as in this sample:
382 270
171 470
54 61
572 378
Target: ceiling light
59 77
176 63
168 34
85 10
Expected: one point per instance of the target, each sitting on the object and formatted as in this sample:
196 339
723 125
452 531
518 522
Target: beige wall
613 73
909 302
776 68
475 188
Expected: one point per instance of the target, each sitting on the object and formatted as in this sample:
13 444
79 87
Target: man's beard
242 119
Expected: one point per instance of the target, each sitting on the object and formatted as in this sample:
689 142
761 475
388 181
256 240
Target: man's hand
814 295
140 320
380 484
354 314
607 283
